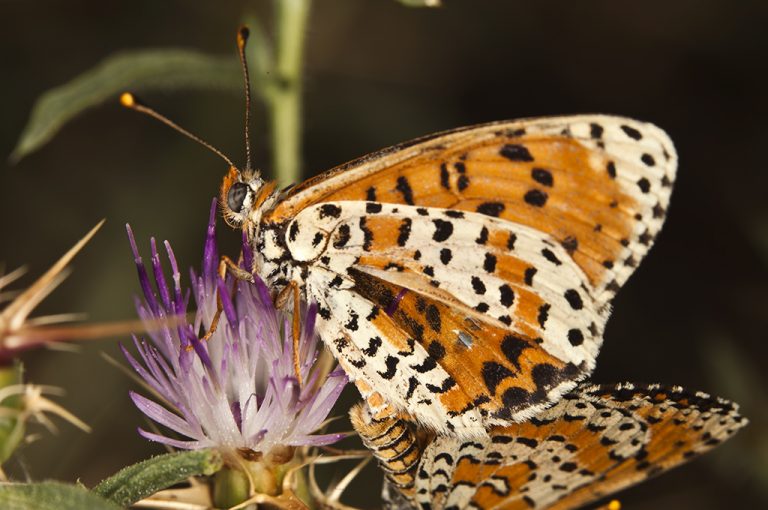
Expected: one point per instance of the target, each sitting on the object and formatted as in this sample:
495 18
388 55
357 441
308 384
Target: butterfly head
244 197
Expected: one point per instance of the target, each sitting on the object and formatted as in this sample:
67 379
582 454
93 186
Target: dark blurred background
378 73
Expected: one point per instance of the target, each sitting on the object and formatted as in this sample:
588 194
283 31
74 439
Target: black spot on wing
329 211
367 234
352 324
405 232
404 187
428 364
493 374
544 376
491 208
436 350
631 132
550 256
445 181
543 314
516 152
536 198
542 176
575 337
574 299
373 346
529 274
513 347
648 160
413 383
343 236
489 264
483 237
443 230
433 318
448 383
571 244
506 295
462 182
478 285
391 363
513 398
511 241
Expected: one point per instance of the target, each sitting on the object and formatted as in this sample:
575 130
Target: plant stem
285 97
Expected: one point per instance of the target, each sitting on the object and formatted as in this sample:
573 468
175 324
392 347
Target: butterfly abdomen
394 444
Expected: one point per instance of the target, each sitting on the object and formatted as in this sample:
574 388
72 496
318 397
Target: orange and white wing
465 278
460 334
598 184
596 441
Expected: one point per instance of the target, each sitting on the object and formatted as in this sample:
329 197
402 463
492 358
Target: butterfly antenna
130 101
242 39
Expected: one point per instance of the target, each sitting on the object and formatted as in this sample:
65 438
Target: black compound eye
236 196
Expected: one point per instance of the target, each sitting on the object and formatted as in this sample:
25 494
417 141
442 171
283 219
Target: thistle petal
238 389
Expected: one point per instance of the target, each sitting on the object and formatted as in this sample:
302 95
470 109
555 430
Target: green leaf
421 3
51 496
153 69
138 481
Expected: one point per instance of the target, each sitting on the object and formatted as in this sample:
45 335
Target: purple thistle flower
238 390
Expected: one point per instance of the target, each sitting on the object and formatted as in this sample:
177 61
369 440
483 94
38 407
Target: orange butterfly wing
598 184
597 440
526 228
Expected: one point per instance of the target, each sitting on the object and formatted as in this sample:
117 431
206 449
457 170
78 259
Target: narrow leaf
138 481
153 69
421 3
51 496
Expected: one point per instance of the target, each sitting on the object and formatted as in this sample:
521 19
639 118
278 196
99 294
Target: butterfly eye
236 196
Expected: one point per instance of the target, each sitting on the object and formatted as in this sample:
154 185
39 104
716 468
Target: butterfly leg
225 264
292 291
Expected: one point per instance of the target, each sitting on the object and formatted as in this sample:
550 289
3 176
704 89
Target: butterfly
463 278
593 442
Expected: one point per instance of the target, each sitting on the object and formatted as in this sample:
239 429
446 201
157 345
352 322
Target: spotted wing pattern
475 337
466 277
595 441
598 184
